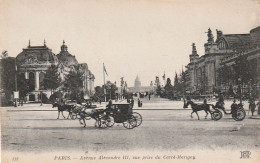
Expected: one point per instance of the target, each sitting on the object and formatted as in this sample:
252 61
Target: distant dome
137 82
65 57
137 78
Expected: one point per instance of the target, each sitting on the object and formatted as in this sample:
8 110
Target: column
26 75
37 83
258 75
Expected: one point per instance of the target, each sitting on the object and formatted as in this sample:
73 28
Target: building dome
36 54
137 83
65 57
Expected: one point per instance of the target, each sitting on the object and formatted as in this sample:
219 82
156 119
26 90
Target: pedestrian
22 102
258 111
252 106
132 101
139 102
220 103
205 103
149 96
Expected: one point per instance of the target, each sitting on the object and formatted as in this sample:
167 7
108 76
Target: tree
99 93
242 69
158 86
176 81
168 89
74 84
225 75
111 89
52 78
22 86
7 73
159 90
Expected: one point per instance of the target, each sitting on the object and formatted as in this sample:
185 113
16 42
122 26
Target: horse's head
186 104
189 102
55 105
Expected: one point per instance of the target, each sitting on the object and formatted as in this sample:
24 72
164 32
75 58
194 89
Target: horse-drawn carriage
237 111
107 117
120 113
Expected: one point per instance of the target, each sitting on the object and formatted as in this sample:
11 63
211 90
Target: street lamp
240 92
41 98
15 78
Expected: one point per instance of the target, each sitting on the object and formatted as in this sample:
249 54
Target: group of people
140 103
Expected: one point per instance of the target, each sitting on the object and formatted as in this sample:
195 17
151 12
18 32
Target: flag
105 69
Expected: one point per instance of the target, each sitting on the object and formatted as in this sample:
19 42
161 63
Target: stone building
202 71
34 61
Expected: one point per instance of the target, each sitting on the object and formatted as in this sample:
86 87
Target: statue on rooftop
219 33
210 36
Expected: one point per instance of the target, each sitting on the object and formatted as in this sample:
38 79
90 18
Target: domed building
137 85
65 57
34 61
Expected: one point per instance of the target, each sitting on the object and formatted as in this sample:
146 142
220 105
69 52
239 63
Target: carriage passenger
205 103
220 103
109 107
234 106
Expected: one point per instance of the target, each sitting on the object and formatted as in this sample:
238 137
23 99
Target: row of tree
175 91
109 90
242 72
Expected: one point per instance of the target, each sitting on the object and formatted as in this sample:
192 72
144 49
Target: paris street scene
126 81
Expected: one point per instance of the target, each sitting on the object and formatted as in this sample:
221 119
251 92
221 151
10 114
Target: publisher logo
245 154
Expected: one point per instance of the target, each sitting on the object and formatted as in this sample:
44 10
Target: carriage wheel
130 123
240 115
216 115
109 121
138 118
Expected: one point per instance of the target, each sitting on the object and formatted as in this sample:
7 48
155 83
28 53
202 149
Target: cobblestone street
174 129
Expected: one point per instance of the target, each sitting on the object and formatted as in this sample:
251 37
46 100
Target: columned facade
34 61
203 72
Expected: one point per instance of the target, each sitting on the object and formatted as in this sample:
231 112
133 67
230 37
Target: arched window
31 81
41 78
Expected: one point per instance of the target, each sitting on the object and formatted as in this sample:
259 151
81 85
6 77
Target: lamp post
240 92
15 78
41 97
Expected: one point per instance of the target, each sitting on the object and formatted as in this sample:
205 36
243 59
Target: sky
144 38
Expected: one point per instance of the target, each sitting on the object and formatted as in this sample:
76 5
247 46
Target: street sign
16 94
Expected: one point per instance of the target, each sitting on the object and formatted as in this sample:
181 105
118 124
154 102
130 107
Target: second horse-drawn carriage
237 111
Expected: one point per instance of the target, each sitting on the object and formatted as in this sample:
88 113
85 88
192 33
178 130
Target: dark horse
197 107
62 108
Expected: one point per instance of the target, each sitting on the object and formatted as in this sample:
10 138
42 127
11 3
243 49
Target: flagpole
164 78
104 81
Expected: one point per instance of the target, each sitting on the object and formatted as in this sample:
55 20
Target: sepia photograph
130 81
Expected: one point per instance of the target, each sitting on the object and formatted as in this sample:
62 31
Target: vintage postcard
130 81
